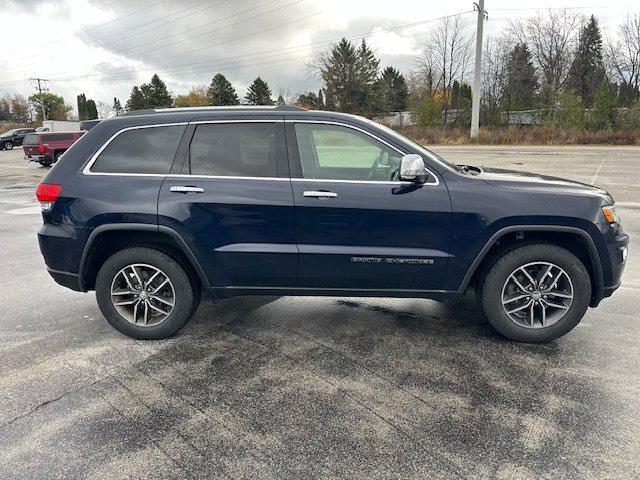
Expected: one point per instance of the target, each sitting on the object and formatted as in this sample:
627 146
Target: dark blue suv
150 208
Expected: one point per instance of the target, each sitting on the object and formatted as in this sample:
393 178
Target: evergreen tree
91 111
521 83
392 91
221 92
5 110
156 93
320 102
259 93
82 106
117 106
367 73
137 100
349 74
604 106
280 101
587 69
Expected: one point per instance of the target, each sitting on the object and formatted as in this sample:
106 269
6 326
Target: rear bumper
33 158
66 279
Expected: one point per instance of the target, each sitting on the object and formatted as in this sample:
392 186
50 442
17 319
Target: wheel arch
107 239
575 239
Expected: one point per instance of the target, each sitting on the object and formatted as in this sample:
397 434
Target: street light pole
477 73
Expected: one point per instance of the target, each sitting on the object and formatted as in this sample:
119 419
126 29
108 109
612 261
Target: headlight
610 214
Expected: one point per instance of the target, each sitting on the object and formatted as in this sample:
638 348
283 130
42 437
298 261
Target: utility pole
40 85
477 73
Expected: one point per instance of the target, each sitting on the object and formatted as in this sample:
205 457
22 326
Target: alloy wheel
537 294
143 294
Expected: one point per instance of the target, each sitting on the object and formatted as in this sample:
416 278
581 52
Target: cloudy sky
104 47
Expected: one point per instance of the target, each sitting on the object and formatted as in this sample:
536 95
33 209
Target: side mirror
412 168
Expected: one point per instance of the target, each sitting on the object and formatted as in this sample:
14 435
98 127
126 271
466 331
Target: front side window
334 152
235 149
141 150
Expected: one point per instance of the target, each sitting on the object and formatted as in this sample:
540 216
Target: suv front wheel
146 294
8 145
535 293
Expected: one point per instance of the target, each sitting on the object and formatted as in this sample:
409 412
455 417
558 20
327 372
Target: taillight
47 194
41 148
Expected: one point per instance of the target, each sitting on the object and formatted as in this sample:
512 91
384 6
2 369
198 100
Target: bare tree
622 56
494 61
552 38
446 57
104 109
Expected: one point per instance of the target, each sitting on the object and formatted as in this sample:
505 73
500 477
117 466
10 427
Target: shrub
429 113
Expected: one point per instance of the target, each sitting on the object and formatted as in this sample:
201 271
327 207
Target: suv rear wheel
535 293
146 294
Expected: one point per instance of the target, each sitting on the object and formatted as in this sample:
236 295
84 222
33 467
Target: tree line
555 65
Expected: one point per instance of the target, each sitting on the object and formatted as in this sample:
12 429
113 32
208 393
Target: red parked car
46 148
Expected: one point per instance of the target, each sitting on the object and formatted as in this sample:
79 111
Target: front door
359 228
233 204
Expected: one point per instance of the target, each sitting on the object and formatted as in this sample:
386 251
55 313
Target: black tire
56 156
44 163
187 292
492 282
8 145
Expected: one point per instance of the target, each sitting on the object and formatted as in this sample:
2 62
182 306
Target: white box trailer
60 126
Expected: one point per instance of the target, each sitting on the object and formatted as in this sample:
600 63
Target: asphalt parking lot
317 387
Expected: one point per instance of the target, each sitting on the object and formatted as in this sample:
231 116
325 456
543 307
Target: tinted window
235 149
57 137
30 139
342 153
140 150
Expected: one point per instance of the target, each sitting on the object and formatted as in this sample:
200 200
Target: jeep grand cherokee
150 208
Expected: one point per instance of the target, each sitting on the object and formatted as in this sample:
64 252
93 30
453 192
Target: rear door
357 226
232 203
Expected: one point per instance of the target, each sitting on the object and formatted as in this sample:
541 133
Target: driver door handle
319 194
186 189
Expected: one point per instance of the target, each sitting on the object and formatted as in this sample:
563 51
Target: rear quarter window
30 139
148 150
57 137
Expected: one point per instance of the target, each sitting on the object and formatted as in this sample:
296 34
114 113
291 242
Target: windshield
420 148
10 132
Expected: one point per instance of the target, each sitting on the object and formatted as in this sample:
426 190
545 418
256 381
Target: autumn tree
54 106
197 97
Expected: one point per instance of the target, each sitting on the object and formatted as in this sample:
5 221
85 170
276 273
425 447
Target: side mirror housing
412 169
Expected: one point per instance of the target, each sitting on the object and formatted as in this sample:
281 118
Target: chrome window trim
87 168
375 137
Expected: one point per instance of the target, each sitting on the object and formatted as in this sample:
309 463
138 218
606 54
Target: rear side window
140 150
30 139
57 137
235 149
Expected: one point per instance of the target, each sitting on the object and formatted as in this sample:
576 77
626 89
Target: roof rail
149 111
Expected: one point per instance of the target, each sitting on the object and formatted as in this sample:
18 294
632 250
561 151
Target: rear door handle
319 194
186 189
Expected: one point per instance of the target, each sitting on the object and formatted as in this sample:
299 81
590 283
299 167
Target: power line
20 52
207 32
121 76
94 42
